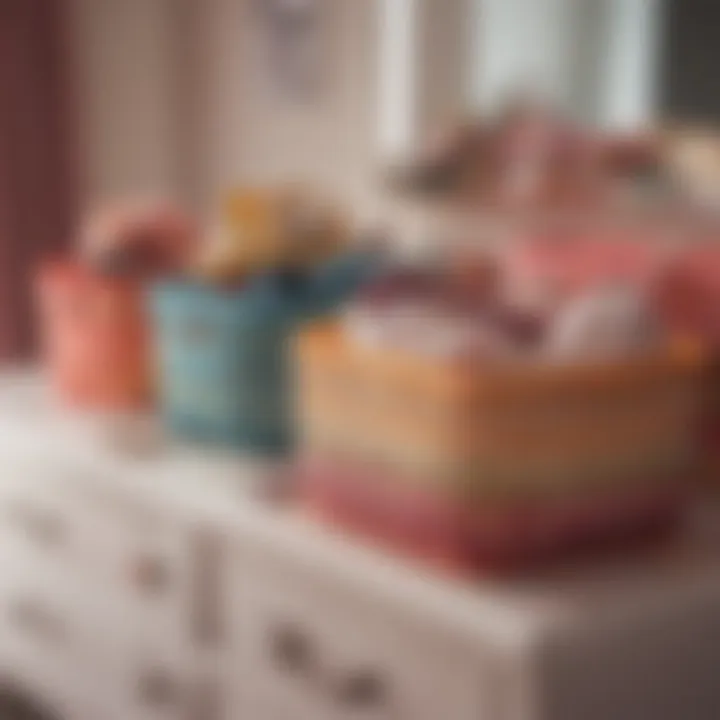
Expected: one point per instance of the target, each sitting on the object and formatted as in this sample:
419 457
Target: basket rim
680 354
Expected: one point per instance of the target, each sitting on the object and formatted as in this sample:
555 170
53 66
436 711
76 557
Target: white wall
596 57
250 132
443 62
174 99
632 61
397 46
521 44
126 87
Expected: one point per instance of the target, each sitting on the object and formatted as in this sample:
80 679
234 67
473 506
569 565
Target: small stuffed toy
692 161
138 239
271 230
632 156
447 164
314 230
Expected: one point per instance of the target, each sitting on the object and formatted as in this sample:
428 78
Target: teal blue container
223 356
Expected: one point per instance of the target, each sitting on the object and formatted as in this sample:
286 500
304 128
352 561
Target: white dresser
142 581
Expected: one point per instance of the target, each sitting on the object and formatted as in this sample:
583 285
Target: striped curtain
37 157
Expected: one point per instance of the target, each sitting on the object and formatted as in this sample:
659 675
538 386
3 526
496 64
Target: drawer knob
156 689
363 689
34 619
15 703
291 649
43 527
204 701
151 574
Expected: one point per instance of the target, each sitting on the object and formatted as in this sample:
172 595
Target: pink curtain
37 157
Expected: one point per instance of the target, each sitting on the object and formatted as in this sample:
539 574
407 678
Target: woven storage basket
508 429
500 465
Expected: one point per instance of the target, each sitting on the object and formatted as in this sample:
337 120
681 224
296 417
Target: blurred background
184 98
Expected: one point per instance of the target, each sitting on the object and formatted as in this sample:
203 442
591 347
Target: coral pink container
95 338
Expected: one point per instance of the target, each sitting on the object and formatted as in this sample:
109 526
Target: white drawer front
305 642
129 557
52 697
143 682
56 635
47 643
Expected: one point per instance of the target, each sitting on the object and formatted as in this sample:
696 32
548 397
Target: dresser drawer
60 634
47 638
309 646
129 556
23 691
144 680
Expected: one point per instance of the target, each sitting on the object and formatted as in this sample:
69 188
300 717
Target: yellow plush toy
264 229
